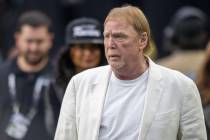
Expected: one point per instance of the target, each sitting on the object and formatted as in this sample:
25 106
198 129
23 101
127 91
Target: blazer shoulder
174 75
92 73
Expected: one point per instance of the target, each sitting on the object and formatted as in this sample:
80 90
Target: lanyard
39 84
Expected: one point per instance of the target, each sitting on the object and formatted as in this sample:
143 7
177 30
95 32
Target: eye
36 41
106 36
119 36
29 41
39 41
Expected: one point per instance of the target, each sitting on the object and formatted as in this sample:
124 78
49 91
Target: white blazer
172 106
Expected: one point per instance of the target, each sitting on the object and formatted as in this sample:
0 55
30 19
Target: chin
34 61
116 66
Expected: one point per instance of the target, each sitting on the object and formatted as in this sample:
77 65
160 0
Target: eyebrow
120 32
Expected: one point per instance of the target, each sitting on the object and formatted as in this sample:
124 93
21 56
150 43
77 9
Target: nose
34 46
87 52
110 43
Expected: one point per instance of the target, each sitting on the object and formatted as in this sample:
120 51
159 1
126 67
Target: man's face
121 44
85 56
33 43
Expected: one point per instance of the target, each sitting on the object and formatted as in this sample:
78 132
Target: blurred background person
23 81
12 9
186 38
83 50
203 84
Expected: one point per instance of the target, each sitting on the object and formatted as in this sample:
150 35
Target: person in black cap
83 50
186 37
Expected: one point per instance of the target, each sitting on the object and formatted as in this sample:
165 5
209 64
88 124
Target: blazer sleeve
66 128
192 124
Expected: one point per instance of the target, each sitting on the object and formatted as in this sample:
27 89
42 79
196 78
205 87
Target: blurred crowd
36 66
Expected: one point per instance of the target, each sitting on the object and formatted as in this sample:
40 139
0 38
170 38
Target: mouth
113 57
89 61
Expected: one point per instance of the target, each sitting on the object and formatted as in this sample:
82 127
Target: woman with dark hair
73 59
83 50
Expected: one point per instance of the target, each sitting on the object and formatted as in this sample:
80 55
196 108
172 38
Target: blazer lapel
99 89
152 99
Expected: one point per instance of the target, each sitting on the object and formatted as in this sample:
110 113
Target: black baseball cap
84 30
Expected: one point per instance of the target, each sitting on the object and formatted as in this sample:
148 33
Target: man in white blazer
132 98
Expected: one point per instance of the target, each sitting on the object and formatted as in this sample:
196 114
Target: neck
26 67
78 70
130 73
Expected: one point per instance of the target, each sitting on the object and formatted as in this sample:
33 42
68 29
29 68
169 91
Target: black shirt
24 91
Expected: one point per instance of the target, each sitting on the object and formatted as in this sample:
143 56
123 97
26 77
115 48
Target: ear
143 41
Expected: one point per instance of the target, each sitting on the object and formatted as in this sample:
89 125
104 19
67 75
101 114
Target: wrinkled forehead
117 25
116 19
